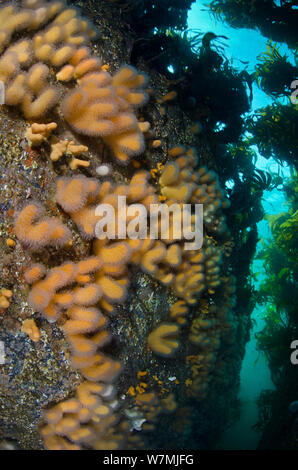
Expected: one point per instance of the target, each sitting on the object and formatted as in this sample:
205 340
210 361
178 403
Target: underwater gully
126 292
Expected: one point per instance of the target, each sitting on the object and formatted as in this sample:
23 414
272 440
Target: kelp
274 131
274 73
277 22
278 297
146 15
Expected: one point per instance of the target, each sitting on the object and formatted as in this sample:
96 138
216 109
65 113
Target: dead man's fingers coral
36 107
56 42
5 298
114 291
35 230
151 258
36 134
83 320
163 340
29 327
72 193
178 311
90 393
104 369
65 147
35 273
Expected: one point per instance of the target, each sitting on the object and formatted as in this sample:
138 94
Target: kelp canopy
275 20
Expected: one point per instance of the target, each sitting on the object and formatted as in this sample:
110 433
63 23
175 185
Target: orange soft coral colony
163 340
71 422
48 33
206 333
36 231
103 106
36 134
29 327
65 147
5 298
195 270
181 181
79 197
35 273
178 311
103 280
189 273
48 295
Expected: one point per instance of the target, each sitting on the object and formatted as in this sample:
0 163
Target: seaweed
278 296
277 22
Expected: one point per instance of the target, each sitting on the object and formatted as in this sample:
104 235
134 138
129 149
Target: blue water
246 45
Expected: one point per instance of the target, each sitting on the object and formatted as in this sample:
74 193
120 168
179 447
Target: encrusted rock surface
37 374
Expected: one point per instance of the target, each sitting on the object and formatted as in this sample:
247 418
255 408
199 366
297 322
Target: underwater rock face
170 393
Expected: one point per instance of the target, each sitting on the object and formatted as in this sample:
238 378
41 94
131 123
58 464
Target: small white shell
103 170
